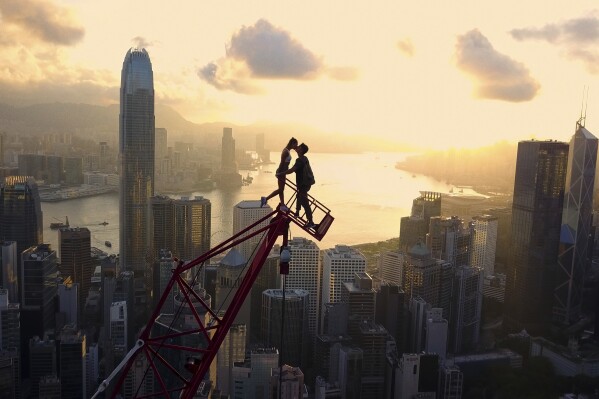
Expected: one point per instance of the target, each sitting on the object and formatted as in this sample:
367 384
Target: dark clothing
300 164
303 186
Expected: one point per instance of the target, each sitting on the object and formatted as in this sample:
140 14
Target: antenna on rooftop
583 106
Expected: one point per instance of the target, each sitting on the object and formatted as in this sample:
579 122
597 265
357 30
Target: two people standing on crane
304 179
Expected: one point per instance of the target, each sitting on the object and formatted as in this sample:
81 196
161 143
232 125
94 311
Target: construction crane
146 371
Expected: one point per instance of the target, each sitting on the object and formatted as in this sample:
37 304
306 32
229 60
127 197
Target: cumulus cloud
142 42
41 19
577 38
406 47
496 76
264 51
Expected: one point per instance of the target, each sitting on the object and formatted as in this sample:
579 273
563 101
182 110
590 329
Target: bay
366 194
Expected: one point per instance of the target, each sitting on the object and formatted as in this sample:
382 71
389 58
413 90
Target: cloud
264 51
142 42
406 47
496 76
42 19
576 38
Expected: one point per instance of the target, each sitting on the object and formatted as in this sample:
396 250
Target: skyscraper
20 212
577 219
295 325
228 151
39 274
360 297
136 152
466 308
72 363
9 270
484 243
10 325
339 265
414 227
245 214
181 226
75 259
536 221
305 273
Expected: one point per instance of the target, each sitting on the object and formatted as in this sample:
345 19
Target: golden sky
437 74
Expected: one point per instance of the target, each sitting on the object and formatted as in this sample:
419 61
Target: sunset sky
437 74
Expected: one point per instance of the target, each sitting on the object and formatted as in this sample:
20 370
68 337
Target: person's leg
282 190
302 198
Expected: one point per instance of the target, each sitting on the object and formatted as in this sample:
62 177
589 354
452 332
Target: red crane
146 371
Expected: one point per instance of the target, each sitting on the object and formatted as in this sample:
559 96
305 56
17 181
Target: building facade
536 223
136 152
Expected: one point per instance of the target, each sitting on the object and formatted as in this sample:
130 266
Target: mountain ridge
88 119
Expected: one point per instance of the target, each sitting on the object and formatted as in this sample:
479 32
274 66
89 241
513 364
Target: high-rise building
269 278
305 273
68 301
39 272
323 345
245 214
484 243
418 309
295 325
462 204
9 270
289 385
421 274
119 327
72 351
252 378
232 350
162 276
351 360
161 144
466 309
10 324
75 258
229 273
182 226
390 266
10 374
413 228
391 313
136 152
42 360
339 265
360 297
451 382
418 375
372 339
536 223
73 170
504 235
20 212
436 333
92 371
449 239
50 387
228 163
575 248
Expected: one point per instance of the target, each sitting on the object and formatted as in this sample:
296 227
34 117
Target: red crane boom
164 376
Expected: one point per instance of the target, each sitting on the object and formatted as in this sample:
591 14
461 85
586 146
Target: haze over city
462 75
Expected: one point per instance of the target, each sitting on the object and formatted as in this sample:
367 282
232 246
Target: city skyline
502 70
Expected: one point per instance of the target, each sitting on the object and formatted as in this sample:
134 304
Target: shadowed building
536 221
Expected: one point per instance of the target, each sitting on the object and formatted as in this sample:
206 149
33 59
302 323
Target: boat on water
58 225
104 223
108 244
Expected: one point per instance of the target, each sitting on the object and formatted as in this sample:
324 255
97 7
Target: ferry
108 244
104 223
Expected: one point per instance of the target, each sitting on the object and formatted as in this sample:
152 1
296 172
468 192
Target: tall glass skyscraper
536 222
136 152
577 219
20 212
